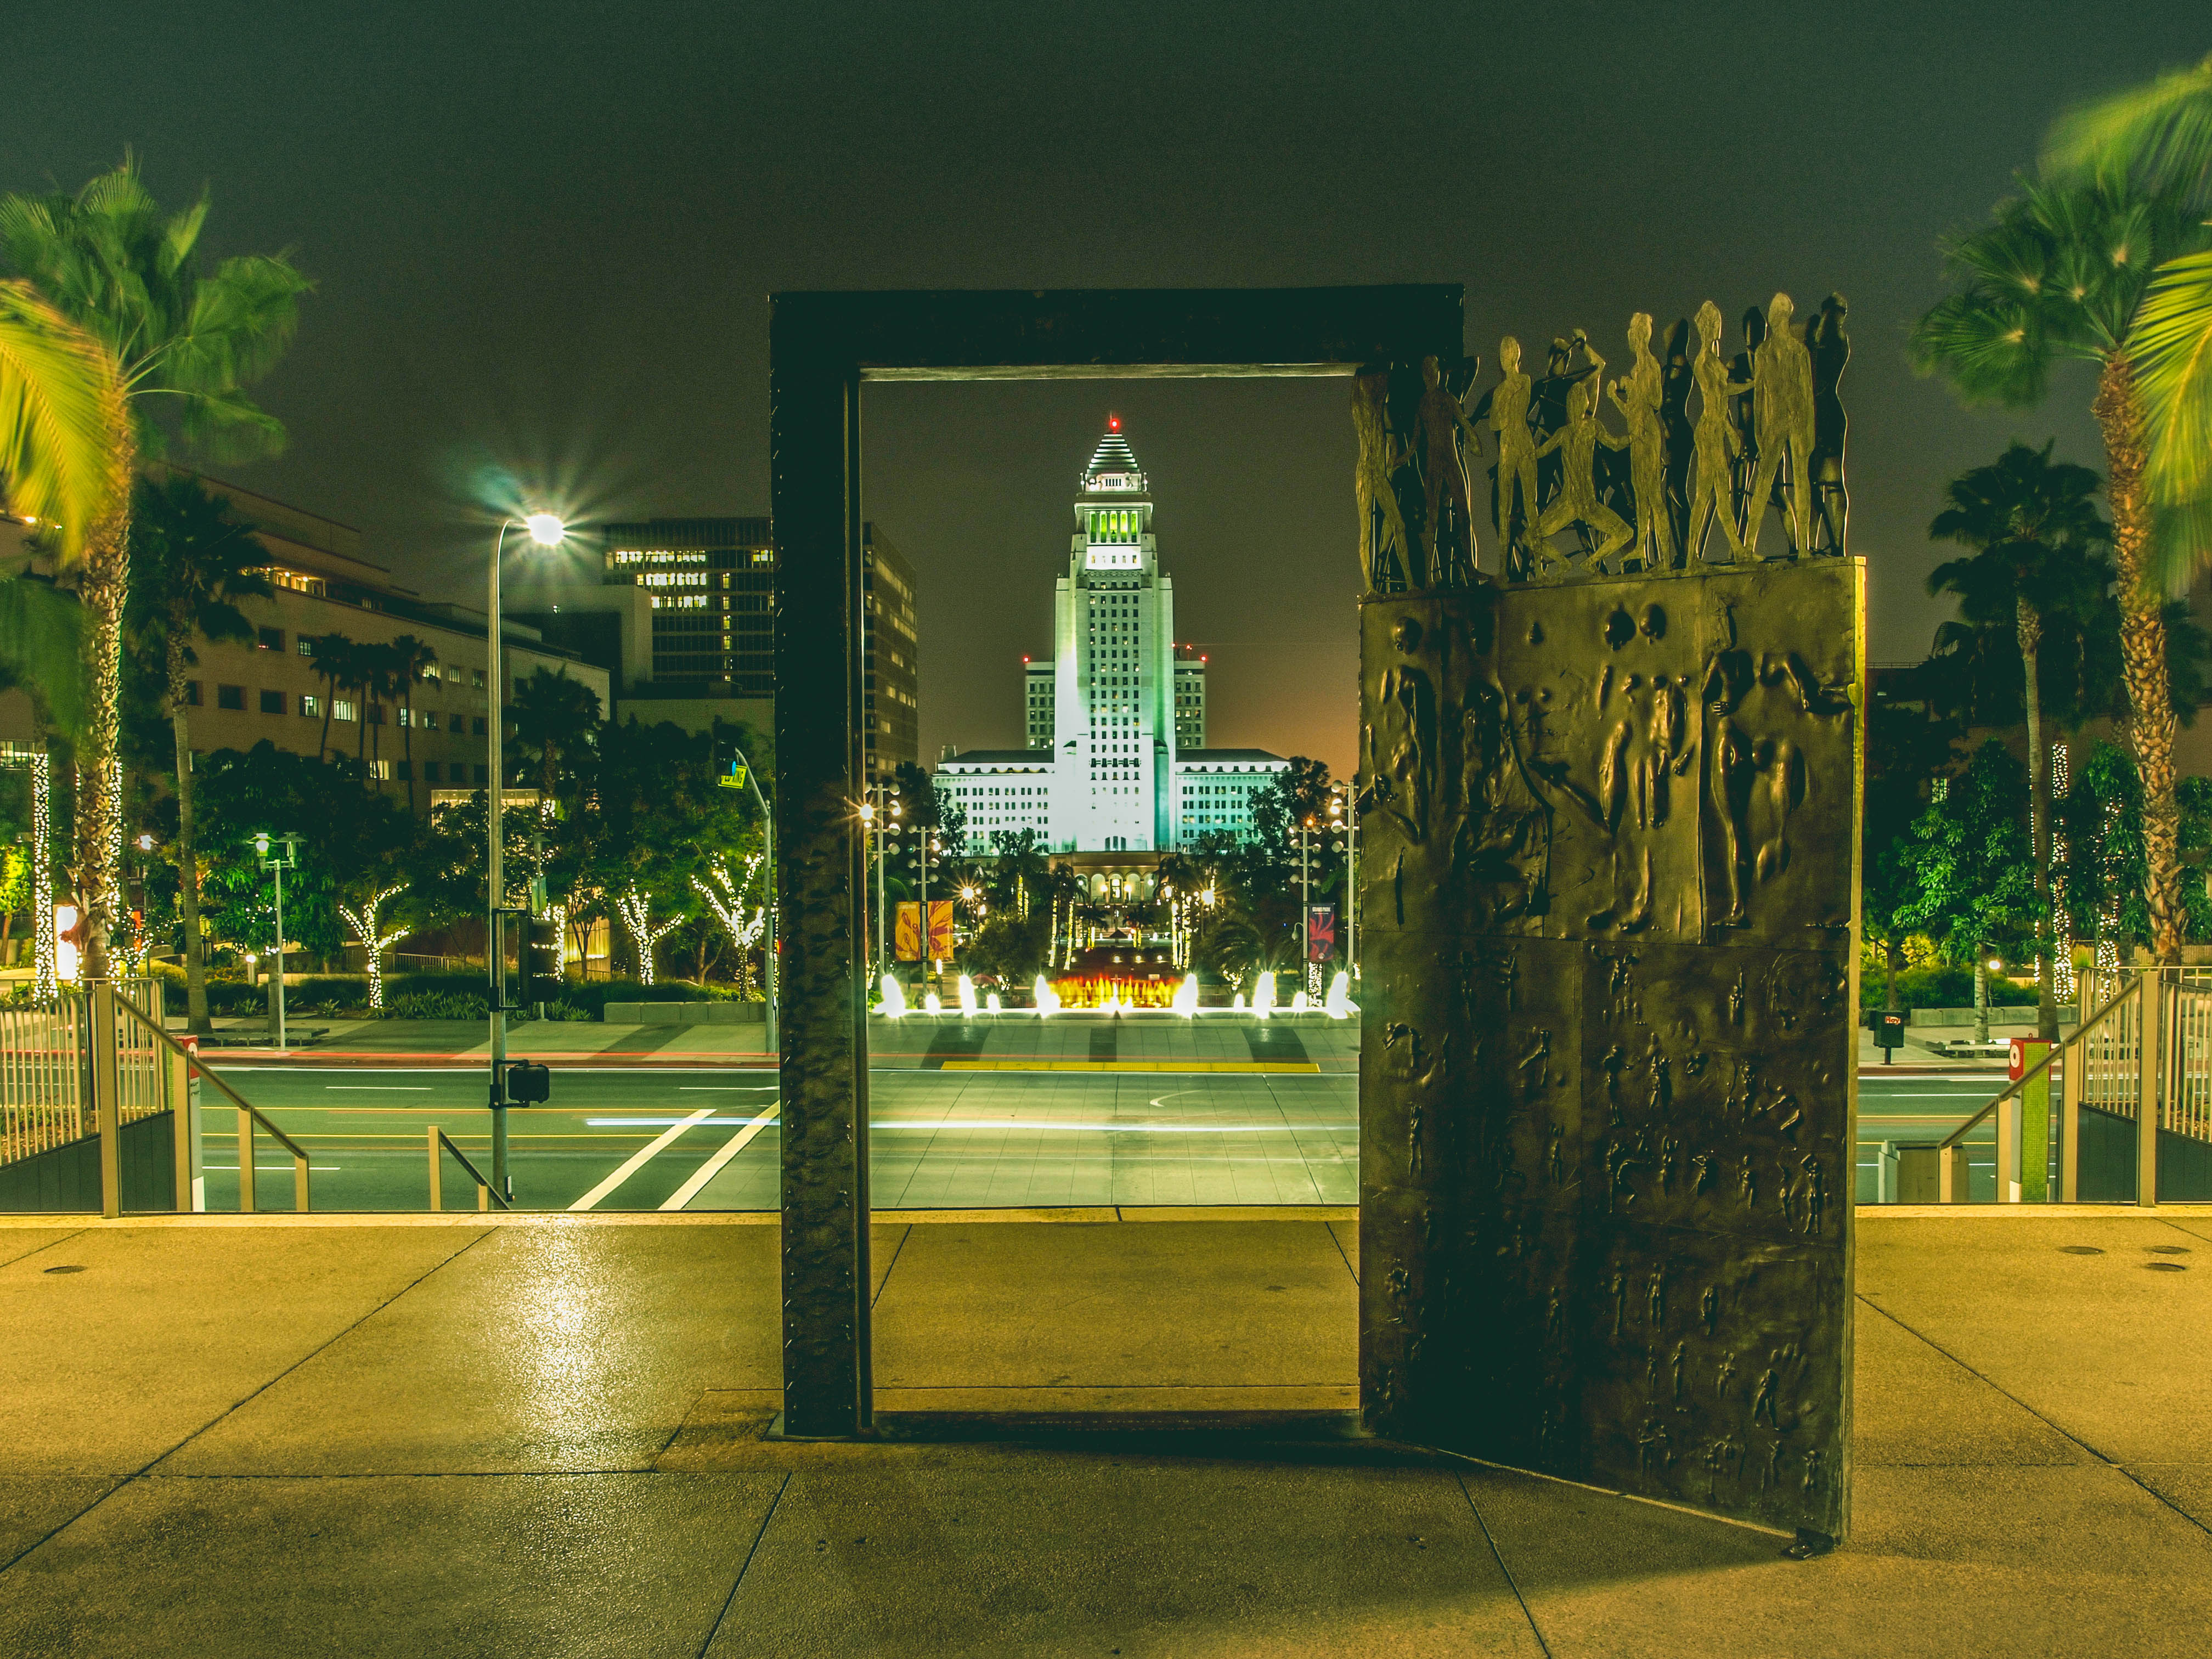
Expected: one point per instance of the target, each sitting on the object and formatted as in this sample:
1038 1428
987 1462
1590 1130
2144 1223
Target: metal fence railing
43 1054
2144 1055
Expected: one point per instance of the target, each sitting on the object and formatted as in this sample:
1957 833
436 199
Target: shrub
1942 985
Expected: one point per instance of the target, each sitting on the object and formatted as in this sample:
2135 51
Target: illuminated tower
1113 704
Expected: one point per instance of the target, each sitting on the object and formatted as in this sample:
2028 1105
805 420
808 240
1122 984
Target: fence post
107 1103
245 1162
2075 1063
2008 1150
2150 1050
1951 1174
184 1088
437 1195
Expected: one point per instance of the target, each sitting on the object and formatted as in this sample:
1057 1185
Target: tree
62 415
193 560
2061 272
2102 878
1973 881
554 717
187 341
1905 750
265 788
409 658
2158 139
336 658
2033 524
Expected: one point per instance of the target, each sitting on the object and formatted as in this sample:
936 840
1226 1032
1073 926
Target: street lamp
545 531
768 901
278 865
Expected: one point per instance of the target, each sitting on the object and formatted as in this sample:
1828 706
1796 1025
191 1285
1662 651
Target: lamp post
546 531
290 860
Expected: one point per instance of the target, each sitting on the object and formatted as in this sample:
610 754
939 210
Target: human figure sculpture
1516 451
1831 350
1444 425
1577 502
1385 548
1639 396
1743 414
1781 395
1712 496
1675 380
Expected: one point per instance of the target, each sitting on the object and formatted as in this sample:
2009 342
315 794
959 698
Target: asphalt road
662 1137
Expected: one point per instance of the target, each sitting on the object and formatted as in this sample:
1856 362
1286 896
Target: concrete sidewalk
450 1436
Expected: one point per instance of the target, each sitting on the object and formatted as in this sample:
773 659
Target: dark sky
542 233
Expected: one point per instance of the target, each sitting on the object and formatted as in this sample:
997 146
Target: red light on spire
1113 423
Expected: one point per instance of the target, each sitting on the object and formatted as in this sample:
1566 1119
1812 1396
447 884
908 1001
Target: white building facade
1116 722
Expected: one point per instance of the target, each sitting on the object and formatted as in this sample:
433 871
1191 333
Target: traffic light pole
767 819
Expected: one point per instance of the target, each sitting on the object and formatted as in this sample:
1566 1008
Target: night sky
542 235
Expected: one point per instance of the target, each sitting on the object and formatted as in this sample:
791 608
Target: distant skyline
543 235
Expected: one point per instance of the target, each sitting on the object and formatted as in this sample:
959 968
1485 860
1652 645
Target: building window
270 638
305 645
479 685
231 696
483 776
403 771
430 719
380 769
311 706
191 693
430 670
478 728
272 703
341 709
429 771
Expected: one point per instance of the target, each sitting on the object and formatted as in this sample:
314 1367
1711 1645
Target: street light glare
545 529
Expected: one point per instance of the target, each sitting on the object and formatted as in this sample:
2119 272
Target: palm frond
2159 136
59 407
42 649
2172 343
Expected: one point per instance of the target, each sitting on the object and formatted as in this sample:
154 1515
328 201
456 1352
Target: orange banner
940 929
908 947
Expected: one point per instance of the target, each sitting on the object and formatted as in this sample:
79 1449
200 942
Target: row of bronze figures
1768 433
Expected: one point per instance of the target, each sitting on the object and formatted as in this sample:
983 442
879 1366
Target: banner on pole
940 929
908 947
1321 932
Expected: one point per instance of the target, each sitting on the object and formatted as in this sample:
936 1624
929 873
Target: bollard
437 1192
106 1091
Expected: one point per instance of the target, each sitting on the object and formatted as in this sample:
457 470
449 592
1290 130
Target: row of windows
232 697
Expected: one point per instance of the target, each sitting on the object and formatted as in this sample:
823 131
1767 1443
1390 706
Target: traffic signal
528 1084
541 960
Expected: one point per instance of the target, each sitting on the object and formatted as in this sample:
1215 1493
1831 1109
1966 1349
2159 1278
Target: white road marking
270 1169
644 1156
727 1088
712 1167
383 1088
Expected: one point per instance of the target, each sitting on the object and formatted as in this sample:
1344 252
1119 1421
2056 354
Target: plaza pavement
445 1435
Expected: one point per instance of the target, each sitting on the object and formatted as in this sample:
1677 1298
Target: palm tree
376 671
2159 138
410 656
187 341
2061 272
2034 524
334 656
192 561
61 406
554 715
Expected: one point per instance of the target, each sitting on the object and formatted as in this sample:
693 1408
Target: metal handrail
485 1190
2034 1072
248 1116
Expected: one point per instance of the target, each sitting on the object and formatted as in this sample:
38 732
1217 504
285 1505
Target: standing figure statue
1577 502
1448 522
1743 412
1385 548
1831 506
1782 390
1516 452
1638 395
1674 381
1713 496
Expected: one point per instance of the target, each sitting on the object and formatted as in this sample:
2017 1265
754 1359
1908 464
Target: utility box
1889 1034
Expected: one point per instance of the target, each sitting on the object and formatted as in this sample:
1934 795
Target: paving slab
2057 1312
1916 1407
1164 1304
166 1328
18 1241
609 1564
1944 1564
34 1506
1038 1553
563 1347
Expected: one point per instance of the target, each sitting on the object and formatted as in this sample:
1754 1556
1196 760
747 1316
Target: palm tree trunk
407 742
1981 993
330 691
2029 624
101 589
2119 412
188 866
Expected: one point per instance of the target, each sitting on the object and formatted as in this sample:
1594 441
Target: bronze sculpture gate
1609 895
1610 821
